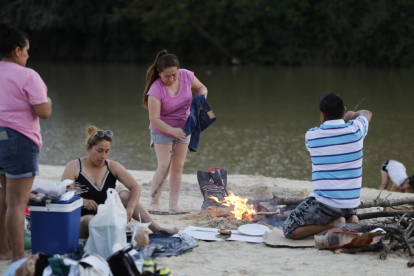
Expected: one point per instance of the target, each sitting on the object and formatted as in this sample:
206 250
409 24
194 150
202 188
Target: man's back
336 150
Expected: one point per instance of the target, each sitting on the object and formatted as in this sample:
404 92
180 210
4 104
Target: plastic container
55 227
50 187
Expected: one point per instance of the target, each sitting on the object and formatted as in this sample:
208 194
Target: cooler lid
76 197
57 206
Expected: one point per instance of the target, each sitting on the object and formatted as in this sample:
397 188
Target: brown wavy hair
163 60
92 139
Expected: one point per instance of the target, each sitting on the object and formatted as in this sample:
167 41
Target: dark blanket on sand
161 244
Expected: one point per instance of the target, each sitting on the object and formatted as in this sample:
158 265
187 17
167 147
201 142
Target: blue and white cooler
55 226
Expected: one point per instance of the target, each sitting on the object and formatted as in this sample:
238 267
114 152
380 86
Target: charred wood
394 245
383 214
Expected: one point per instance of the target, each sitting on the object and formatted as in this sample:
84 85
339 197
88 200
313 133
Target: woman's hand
203 92
130 212
178 133
90 205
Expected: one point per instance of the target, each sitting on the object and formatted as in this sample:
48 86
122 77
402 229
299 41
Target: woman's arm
43 111
71 170
198 88
154 110
126 178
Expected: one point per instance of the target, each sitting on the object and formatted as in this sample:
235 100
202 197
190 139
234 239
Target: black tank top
95 193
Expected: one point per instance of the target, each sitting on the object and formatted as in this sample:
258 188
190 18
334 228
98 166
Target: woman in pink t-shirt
24 100
168 96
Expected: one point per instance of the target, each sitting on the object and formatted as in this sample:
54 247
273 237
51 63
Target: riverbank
240 258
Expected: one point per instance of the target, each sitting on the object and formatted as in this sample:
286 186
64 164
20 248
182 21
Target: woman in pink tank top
24 100
168 96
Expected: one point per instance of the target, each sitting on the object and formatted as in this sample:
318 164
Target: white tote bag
107 227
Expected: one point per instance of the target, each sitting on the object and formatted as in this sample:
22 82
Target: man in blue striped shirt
336 149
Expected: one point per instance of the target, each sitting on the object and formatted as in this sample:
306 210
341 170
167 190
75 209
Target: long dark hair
11 38
162 61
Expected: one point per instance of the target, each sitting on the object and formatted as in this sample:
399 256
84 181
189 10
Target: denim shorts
312 212
18 155
162 139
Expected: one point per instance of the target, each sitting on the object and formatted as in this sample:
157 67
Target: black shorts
384 166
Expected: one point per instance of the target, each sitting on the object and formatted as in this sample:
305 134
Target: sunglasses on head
102 133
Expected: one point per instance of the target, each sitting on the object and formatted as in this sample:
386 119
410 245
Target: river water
263 114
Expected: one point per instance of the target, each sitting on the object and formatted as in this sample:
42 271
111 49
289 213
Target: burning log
241 209
215 212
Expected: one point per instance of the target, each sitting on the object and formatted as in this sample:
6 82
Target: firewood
354 250
383 214
387 248
267 213
407 235
382 202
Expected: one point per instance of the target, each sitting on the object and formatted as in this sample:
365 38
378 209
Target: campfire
241 209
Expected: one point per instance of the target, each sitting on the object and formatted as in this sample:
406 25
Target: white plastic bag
107 227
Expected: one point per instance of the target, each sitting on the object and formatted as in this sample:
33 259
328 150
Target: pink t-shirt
20 88
175 109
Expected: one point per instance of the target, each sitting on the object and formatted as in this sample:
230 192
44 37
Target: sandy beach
241 258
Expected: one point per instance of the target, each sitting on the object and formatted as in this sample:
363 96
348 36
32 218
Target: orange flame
241 209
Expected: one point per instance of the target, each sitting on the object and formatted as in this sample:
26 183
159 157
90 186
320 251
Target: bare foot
16 258
6 256
176 209
154 207
338 221
171 231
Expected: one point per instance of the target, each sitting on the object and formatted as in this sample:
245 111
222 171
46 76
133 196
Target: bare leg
176 176
18 191
163 153
84 226
394 187
145 216
385 178
310 230
5 252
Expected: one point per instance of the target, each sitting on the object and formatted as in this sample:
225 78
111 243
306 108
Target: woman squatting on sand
97 174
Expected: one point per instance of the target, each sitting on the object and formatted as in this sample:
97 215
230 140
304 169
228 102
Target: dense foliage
292 32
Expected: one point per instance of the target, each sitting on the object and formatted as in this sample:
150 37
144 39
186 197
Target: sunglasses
102 133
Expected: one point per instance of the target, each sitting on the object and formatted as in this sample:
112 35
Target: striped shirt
336 150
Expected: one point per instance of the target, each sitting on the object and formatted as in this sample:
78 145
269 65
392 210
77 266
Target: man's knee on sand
313 213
